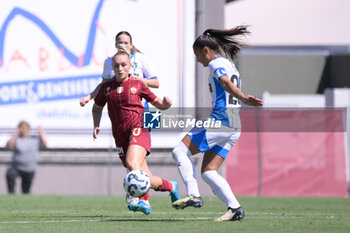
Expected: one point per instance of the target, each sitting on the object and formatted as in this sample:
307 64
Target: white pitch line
107 220
153 219
253 213
53 221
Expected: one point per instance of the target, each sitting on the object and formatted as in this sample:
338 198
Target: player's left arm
233 90
153 83
147 94
162 104
149 74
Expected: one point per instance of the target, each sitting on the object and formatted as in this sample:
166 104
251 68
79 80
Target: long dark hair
223 40
134 49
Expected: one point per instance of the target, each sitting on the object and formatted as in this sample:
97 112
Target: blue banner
51 89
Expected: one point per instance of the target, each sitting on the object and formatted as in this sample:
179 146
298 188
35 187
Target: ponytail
223 40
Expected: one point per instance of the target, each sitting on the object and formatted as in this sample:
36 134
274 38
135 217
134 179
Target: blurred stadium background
298 62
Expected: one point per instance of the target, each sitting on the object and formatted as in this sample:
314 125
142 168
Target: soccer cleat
131 200
174 193
232 215
196 202
142 206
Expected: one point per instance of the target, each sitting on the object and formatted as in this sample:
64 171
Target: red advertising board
289 153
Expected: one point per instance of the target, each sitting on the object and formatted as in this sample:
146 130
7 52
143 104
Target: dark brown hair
134 49
223 40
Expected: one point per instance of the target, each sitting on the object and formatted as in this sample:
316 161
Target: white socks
221 188
187 169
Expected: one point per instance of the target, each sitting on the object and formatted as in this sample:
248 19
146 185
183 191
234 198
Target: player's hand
167 102
252 101
96 131
84 100
136 78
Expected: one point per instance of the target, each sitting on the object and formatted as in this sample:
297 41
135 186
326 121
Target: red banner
281 160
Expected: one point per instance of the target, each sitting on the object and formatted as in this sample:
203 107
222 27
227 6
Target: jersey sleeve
100 99
147 69
219 70
146 93
108 72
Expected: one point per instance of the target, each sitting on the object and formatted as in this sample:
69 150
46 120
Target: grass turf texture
39 214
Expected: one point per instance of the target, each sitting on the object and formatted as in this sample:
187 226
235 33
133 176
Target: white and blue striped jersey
225 106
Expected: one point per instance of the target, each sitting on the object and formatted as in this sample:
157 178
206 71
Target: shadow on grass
143 220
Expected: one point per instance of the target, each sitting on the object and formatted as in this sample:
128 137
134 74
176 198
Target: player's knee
179 151
132 164
175 153
207 174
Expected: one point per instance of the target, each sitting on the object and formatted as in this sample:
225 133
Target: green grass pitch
42 213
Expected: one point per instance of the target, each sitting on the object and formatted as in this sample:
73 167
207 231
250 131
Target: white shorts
218 142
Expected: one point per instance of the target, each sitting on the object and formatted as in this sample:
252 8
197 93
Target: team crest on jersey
133 90
120 90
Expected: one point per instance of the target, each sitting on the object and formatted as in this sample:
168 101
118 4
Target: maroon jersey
125 108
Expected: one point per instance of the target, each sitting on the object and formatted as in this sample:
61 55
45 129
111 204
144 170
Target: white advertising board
52 54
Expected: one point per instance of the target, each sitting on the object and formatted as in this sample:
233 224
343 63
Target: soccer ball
137 183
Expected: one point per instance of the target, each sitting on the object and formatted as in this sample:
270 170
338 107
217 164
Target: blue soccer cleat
174 193
142 206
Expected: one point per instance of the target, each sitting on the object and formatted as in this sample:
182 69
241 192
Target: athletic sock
165 187
144 198
187 170
221 188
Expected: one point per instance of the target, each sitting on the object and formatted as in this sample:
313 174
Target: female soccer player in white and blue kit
224 85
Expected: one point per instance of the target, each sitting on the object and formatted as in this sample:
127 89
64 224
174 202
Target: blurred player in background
224 85
140 68
25 149
123 96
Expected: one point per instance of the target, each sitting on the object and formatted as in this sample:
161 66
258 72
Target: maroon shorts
137 136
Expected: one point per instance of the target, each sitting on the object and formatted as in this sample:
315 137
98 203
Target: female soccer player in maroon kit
123 96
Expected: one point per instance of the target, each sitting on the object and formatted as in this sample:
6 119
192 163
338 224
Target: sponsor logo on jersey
120 150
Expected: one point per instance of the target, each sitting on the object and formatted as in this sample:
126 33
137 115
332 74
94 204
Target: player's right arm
107 74
234 91
96 116
90 96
